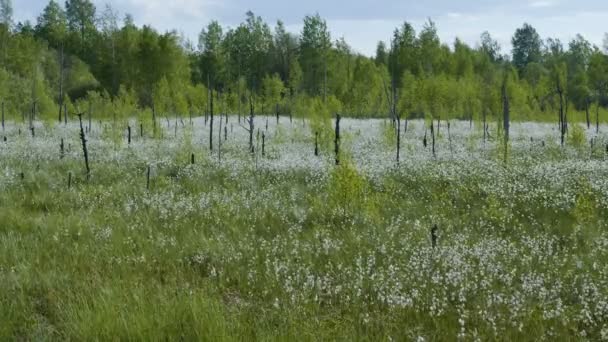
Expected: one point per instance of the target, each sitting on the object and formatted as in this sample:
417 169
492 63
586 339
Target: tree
210 45
272 88
285 51
109 30
315 43
526 47
6 13
81 18
430 53
490 47
381 54
52 24
598 79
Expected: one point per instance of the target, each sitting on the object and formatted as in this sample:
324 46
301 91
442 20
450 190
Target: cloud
542 4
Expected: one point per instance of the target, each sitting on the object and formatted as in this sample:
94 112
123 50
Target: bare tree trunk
219 141
61 66
562 116
597 118
337 140
485 131
506 111
398 137
90 114
154 120
211 121
433 138
84 147
316 144
251 124
587 114
2 116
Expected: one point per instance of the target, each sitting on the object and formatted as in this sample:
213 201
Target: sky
365 22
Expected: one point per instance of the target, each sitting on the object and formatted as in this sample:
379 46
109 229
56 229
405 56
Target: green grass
223 252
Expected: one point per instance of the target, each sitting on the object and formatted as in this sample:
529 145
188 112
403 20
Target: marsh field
167 239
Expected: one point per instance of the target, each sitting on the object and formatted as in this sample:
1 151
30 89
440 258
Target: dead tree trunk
61 66
153 120
562 116
148 178
219 141
434 236
506 111
597 118
424 140
277 113
129 135
90 117
211 121
337 139
398 137
84 147
251 124
2 116
433 138
450 138
587 114
263 144
485 127
316 144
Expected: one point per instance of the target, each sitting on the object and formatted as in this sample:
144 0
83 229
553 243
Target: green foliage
76 49
576 136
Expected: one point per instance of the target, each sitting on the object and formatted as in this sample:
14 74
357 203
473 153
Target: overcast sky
364 22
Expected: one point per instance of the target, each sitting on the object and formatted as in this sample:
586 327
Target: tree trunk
211 121
337 140
251 125
84 147
433 138
587 114
61 66
506 112
597 118
398 138
562 116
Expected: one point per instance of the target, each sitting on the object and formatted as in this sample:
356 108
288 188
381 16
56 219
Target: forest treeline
77 57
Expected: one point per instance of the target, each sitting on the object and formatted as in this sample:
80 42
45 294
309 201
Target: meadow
169 240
